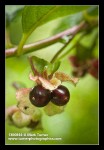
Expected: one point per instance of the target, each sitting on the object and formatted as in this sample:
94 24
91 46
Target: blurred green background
78 124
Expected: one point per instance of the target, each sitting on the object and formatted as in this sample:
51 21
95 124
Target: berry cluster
40 97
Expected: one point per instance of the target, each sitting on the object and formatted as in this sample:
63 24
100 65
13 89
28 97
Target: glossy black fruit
60 96
39 96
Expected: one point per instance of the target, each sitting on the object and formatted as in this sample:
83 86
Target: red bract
74 61
93 69
80 68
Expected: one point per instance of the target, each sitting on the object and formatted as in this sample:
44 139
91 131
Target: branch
46 42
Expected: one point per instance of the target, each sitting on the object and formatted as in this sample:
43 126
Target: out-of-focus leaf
12 12
20 119
52 109
68 22
85 48
93 11
9 111
75 19
82 52
92 20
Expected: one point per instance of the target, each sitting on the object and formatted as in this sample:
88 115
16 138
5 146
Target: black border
2 75
101 75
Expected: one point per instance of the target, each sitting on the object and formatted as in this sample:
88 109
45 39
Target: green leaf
42 65
39 64
34 16
55 66
52 68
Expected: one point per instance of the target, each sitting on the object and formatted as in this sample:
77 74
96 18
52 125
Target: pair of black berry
40 97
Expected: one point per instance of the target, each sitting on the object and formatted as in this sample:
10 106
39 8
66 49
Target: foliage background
78 124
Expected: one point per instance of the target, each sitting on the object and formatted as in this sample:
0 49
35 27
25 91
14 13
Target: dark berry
60 96
39 96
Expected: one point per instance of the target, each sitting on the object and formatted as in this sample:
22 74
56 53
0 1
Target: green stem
60 51
20 47
74 43
35 72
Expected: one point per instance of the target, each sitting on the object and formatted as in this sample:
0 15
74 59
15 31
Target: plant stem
65 46
35 72
43 43
59 52
20 47
72 46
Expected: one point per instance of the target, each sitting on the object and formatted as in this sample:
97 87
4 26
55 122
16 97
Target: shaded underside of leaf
34 16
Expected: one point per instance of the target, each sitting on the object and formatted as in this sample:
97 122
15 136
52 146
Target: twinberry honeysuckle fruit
51 89
39 96
49 86
60 96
